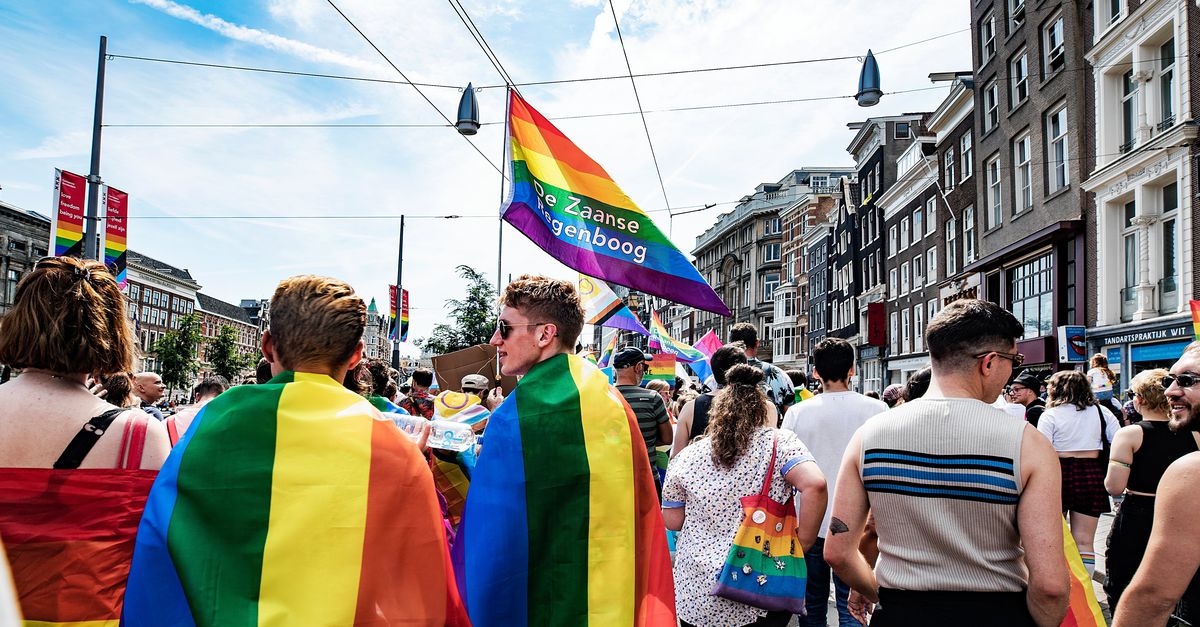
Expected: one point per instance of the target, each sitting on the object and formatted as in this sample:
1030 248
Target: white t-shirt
825 423
1099 380
1012 409
1072 429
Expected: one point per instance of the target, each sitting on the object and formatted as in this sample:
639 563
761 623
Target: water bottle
443 434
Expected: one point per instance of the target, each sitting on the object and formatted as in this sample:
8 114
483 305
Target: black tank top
1160 447
703 403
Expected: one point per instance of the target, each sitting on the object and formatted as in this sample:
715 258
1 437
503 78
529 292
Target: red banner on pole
66 229
403 315
116 214
392 312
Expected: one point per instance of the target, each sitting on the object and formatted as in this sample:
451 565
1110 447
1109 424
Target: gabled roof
221 308
158 266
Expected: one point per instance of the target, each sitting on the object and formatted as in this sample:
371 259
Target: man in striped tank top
965 497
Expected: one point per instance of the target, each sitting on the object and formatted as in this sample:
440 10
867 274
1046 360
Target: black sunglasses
1016 358
1185 380
504 328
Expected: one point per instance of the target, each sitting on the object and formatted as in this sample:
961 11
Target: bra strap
83 441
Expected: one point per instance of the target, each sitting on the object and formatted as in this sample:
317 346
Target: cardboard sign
452 367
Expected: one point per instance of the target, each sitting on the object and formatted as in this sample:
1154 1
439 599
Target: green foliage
176 352
223 353
473 316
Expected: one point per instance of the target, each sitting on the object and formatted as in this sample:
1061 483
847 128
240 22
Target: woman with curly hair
1079 427
704 485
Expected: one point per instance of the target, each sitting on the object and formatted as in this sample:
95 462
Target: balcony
1168 295
1166 123
1127 146
1128 303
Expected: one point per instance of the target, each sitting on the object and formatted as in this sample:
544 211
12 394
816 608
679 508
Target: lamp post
91 247
399 296
869 92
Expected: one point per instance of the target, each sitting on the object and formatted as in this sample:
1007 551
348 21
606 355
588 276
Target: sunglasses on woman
504 328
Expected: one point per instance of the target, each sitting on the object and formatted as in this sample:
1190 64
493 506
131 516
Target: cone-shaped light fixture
869 92
468 112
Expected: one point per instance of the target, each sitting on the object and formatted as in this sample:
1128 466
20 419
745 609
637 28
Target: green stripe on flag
219 524
556 493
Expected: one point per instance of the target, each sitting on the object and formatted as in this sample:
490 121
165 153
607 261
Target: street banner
661 368
569 206
602 307
403 315
1195 304
661 339
115 229
66 229
392 312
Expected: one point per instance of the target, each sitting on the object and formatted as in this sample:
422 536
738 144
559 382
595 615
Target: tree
223 353
474 316
177 352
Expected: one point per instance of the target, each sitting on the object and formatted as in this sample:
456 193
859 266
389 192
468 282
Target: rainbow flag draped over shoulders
661 339
293 502
569 206
562 524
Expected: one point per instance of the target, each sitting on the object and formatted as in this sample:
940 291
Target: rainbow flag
661 339
602 307
1195 304
562 524
609 350
569 206
1082 610
293 501
114 231
69 536
67 221
392 312
403 315
661 368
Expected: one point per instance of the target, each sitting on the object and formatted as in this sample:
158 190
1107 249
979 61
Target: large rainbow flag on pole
602 307
292 502
562 524
661 339
568 205
1195 306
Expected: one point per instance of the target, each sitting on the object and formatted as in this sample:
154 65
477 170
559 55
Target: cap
474 382
628 356
1029 380
892 393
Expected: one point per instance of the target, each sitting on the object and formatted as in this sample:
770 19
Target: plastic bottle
443 434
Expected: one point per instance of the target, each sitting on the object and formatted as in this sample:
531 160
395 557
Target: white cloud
68 144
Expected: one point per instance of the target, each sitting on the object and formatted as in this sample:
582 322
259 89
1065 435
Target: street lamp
869 92
468 112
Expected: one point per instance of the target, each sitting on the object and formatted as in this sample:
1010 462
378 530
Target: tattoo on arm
836 526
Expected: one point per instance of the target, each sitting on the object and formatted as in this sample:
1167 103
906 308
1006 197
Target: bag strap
82 443
1104 443
766 489
133 442
172 429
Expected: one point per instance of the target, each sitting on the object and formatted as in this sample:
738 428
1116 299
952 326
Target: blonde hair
68 316
1149 389
316 319
658 385
544 299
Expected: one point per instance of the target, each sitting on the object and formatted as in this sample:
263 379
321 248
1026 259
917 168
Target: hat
459 407
474 382
1029 380
628 356
892 393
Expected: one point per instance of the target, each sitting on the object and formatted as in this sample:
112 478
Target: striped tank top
943 478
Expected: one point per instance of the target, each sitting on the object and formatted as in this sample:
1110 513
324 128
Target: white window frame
1053 46
1022 159
1165 80
991 106
951 247
931 309
1018 76
993 194
778 247
905 279
966 152
918 272
905 232
918 328
931 271
918 222
987 38
893 283
894 339
931 215
906 326
1129 110
949 162
1016 15
893 240
968 234
907 130
1058 172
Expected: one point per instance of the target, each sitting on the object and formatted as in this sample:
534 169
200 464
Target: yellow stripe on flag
1083 606
312 557
611 508
561 175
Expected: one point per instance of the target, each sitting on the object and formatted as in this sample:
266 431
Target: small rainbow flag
602 307
392 312
66 227
661 368
562 524
251 523
661 339
1195 304
609 351
1082 610
569 206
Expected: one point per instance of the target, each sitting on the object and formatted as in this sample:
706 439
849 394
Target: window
968 235
905 277
964 146
1056 146
987 38
771 252
905 323
1023 169
1109 11
991 106
948 164
1169 287
1016 15
918 328
771 226
905 232
145 313
918 221
892 241
991 171
901 131
1018 76
931 308
1052 45
918 272
1129 236
10 286
893 283
134 291
1031 295
931 265
931 216
1129 113
1166 85
154 298
770 282
951 247
894 336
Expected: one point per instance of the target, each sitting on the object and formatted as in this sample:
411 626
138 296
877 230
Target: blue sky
48 60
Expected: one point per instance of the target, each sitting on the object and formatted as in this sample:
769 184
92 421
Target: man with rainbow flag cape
562 524
295 502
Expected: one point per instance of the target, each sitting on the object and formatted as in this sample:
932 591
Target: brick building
215 314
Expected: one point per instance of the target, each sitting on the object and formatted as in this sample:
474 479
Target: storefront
869 370
899 370
1133 348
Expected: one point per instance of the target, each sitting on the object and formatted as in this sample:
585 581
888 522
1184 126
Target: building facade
1032 152
376 344
23 240
157 296
215 314
1142 241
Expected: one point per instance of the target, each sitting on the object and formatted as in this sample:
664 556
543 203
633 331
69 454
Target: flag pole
500 221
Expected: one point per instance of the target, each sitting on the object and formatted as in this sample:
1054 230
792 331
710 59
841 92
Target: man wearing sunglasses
1167 584
965 496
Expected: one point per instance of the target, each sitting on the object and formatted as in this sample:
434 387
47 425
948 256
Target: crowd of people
297 500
